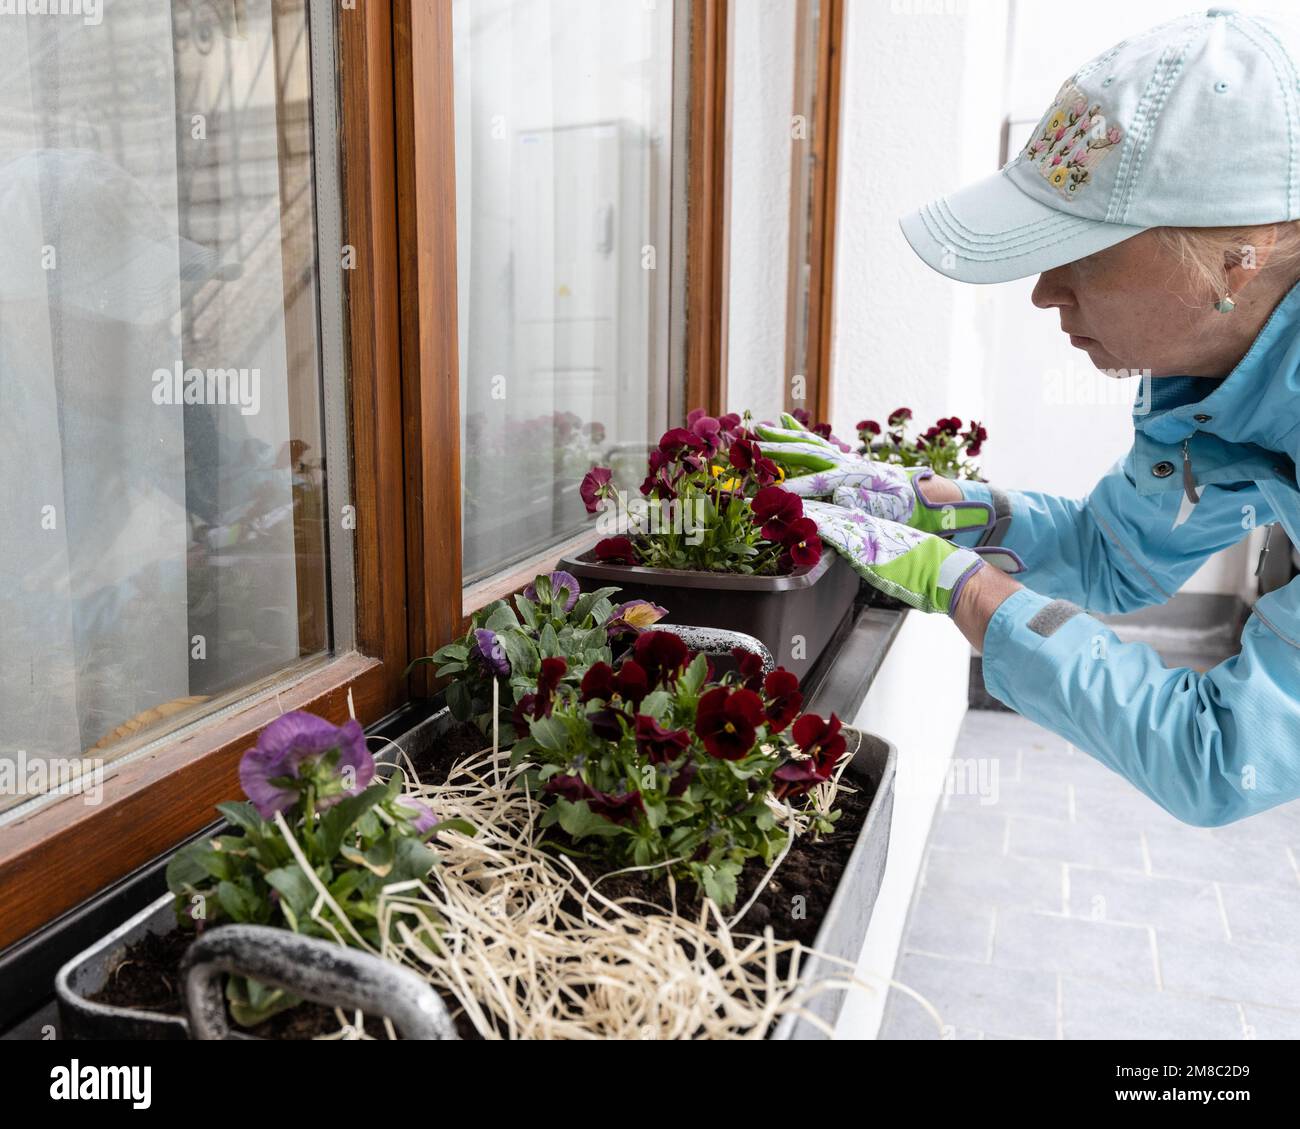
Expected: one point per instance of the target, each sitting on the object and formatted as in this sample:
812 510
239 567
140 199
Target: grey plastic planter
314 969
800 611
841 935
844 928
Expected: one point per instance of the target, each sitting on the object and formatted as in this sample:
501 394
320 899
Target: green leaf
186 870
338 820
587 602
527 610
459 701
549 733
243 816
503 619
580 821
241 904
252 1003
295 889
378 859
521 651
719 884
695 674
548 643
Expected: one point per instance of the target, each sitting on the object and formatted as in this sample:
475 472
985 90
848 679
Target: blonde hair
1206 253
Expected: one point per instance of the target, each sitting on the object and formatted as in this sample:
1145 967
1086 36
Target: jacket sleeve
1209 748
1118 549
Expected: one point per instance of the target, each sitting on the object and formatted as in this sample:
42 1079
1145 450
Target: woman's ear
1243 262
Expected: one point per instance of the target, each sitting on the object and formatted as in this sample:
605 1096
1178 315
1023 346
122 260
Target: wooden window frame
65 851
825 189
397 141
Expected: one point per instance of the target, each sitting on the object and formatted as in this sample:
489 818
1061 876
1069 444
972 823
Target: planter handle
317 970
716 641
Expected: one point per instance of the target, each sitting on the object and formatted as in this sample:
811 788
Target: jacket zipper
1189 479
1263 553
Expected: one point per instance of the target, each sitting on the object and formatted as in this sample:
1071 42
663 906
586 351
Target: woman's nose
1052 290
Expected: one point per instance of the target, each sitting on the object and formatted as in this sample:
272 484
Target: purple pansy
422 819
301 749
490 651
561 581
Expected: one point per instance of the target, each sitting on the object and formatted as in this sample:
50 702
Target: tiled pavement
1072 907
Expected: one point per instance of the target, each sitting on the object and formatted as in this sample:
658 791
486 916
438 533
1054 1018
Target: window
161 371
340 225
783 94
564 186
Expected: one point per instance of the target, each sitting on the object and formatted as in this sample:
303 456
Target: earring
1225 305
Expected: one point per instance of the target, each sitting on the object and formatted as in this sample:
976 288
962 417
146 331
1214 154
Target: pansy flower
727 722
299 752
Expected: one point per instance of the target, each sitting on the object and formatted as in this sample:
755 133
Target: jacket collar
1258 402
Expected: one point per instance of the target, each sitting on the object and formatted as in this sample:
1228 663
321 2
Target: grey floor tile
1278 825
1272 1022
1092 1010
981 997
1263 916
1119 804
1085 844
1125 897
905 1019
1048 799
993 880
1249 974
1097 950
942 928
1194 852
973 829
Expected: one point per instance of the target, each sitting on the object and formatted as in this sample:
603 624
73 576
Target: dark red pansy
657 744
595 486
899 416
743 454
772 504
631 682
750 667
784 699
616 550
766 471
607 724
597 683
802 543
819 739
679 439
727 722
617 807
661 655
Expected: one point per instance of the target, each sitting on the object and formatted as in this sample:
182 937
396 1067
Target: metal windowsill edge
838 683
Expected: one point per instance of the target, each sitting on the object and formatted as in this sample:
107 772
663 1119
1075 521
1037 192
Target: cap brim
991 231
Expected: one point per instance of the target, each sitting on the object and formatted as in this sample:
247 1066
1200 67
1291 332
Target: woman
1157 200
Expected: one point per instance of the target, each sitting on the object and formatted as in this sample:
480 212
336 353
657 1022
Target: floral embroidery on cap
1072 140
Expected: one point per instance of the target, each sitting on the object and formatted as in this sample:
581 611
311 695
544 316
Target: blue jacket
1209 748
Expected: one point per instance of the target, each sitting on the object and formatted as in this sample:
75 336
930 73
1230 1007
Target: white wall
760 71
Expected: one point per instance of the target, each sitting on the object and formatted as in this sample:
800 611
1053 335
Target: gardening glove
922 570
882 490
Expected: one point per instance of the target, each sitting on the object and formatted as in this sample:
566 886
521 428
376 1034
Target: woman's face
1134 307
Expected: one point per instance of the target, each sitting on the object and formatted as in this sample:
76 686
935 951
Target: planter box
777 610
841 933
844 928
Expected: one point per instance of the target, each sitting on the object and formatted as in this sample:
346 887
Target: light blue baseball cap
1195 123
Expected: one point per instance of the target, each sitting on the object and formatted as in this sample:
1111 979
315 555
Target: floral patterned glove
918 568
880 490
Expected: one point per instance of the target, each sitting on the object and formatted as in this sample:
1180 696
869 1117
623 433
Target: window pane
161 483
564 170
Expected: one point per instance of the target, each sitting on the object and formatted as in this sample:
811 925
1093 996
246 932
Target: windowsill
839 683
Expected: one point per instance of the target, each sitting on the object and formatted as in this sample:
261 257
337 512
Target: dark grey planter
840 935
808 605
844 928
317 970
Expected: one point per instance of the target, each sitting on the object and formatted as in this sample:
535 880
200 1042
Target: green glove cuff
947 518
